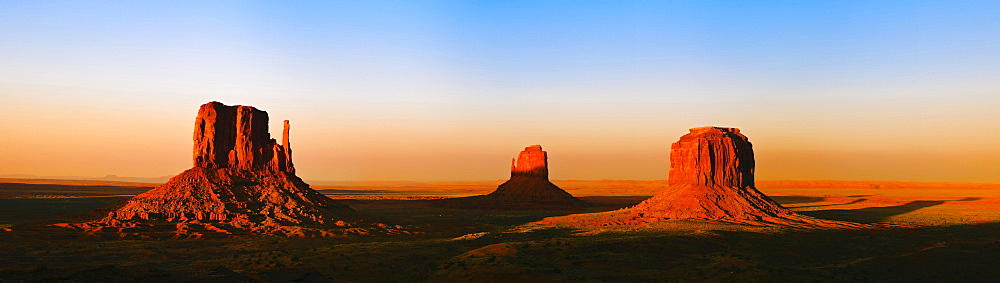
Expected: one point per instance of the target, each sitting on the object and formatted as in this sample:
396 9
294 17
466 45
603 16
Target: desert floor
947 232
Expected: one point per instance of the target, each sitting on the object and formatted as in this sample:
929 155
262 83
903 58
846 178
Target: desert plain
873 124
940 232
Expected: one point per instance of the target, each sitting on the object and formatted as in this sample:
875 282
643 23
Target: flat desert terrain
945 232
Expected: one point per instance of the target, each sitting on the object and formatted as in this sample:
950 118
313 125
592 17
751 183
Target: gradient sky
451 90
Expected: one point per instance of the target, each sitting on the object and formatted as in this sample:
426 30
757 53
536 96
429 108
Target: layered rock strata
242 182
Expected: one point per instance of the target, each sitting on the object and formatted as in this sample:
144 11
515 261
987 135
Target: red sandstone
532 162
242 181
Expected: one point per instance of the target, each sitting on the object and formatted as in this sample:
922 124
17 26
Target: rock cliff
532 162
712 156
237 137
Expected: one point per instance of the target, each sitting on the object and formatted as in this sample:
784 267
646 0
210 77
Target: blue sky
371 78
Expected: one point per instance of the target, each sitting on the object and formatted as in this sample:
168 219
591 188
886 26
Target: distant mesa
242 182
711 178
529 188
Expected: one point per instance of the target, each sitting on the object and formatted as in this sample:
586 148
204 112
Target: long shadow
24 210
872 214
960 253
786 200
877 214
21 190
340 192
822 205
969 199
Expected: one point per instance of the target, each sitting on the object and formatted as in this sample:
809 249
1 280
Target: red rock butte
528 188
532 162
711 178
712 156
242 182
237 137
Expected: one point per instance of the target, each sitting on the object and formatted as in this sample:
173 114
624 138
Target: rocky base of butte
528 188
242 182
711 179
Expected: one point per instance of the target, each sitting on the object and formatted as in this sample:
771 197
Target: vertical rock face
214 135
711 177
242 181
712 156
237 137
532 162
287 147
529 188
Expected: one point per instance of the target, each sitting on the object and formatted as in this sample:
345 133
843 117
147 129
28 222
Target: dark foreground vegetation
462 245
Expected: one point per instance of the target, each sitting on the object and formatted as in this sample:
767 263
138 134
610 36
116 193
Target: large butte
711 179
242 182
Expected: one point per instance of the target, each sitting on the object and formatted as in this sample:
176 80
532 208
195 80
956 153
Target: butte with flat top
528 188
242 182
711 179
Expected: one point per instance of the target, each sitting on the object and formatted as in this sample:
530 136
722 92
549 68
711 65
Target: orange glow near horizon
409 90
94 142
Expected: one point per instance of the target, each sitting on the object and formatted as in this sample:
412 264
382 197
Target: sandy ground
922 203
952 237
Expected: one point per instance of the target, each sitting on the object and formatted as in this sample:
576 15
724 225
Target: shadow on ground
928 254
14 190
876 214
833 204
463 245
786 200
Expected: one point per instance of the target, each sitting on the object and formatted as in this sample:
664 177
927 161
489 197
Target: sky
451 90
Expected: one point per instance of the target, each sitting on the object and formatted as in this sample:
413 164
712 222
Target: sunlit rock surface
711 178
242 182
